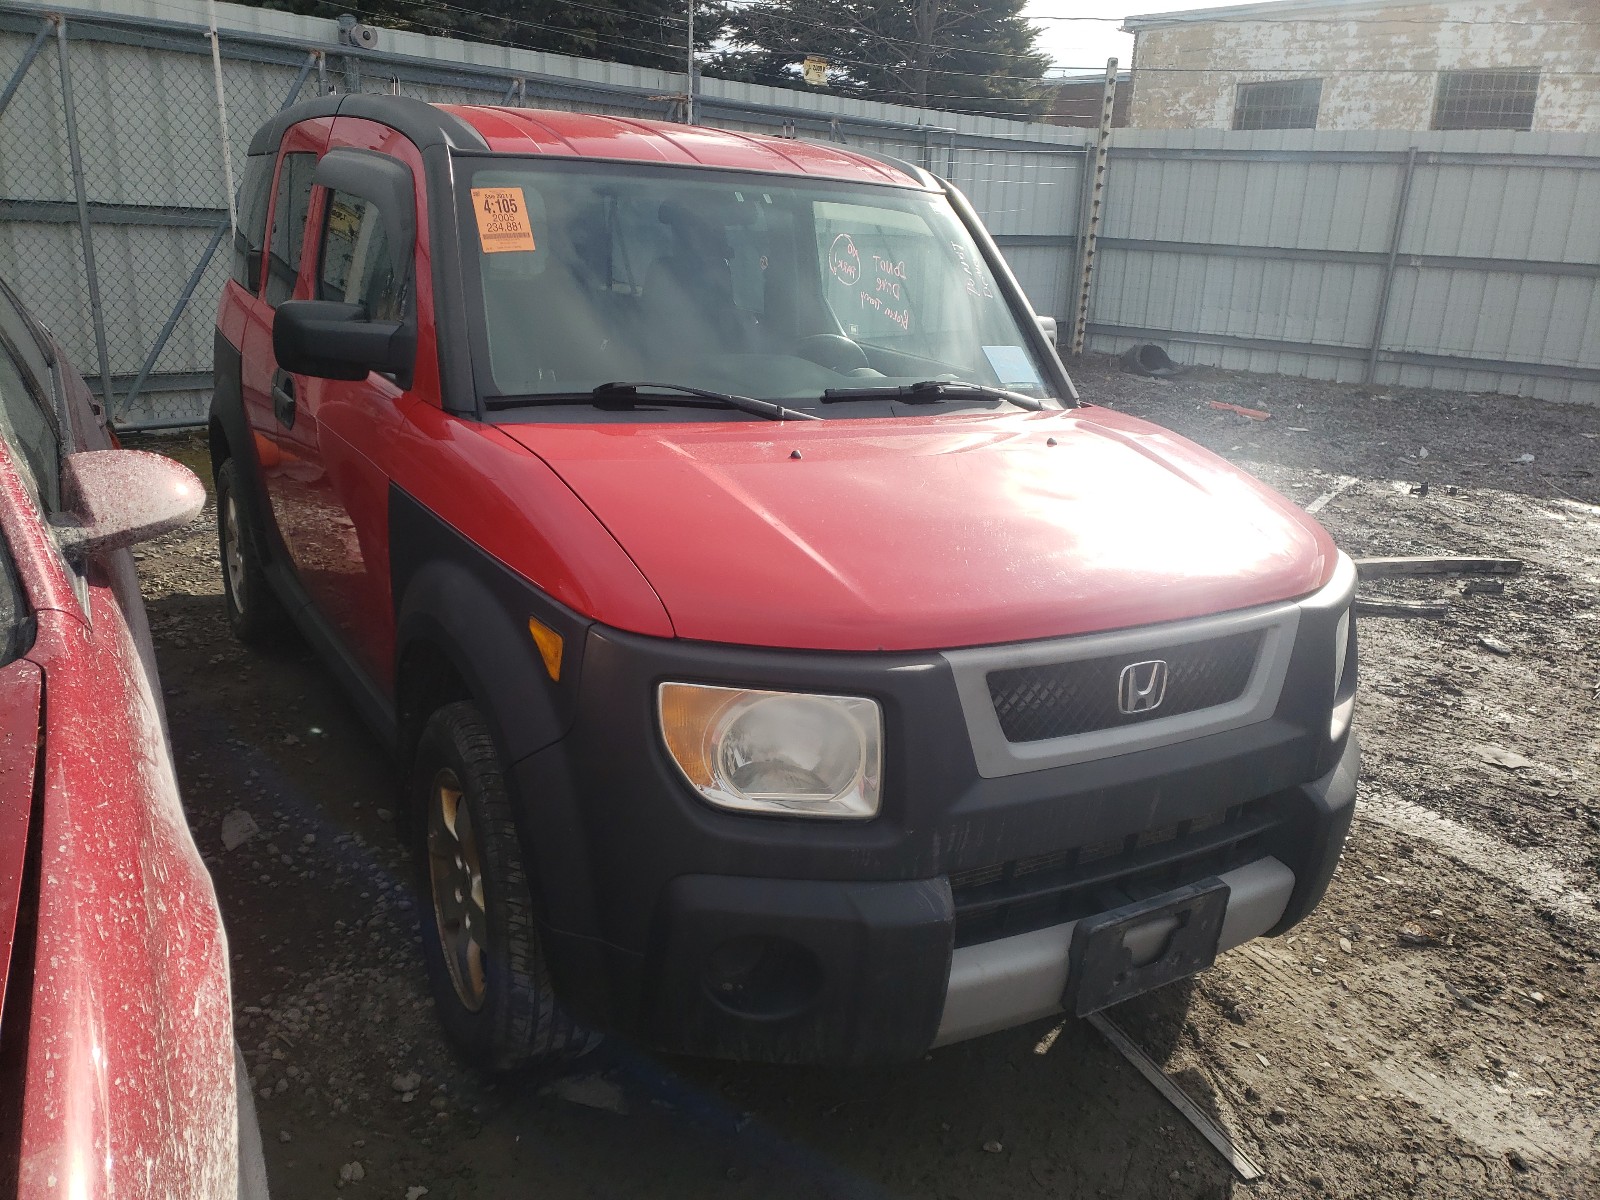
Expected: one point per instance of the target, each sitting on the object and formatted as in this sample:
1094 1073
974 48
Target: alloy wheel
455 875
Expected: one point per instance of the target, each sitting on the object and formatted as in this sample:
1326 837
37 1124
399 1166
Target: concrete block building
1370 64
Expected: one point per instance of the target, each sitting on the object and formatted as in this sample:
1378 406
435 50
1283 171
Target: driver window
289 211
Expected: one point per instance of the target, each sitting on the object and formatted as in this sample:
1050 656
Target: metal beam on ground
1243 1165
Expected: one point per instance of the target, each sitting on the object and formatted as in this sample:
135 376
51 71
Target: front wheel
490 983
254 611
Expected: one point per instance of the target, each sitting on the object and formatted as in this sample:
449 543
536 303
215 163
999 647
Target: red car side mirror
115 498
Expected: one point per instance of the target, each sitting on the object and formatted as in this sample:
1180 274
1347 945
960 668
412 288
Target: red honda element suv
783 664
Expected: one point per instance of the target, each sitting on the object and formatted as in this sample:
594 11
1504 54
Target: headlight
776 752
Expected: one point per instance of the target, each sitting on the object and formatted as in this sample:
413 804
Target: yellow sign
815 70
502 219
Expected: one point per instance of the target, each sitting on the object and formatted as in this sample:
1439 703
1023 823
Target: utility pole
923 25
688 102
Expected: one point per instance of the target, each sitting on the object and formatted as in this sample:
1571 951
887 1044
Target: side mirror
115 498
1047 325
331 340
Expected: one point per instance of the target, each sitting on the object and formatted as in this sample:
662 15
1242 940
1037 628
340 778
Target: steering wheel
832 350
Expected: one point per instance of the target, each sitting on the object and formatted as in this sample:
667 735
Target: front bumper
782 939
855 971
871 972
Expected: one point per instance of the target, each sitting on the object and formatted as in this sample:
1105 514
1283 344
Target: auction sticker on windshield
502 219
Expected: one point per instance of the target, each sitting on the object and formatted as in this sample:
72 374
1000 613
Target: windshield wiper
620 395
932 391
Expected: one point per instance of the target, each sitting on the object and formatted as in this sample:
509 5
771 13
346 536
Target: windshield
771 287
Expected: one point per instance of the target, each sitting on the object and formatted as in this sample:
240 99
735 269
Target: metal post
1091 218
222 117
28 56
688 104
299 81
322 73
91 276
1402 202
172 319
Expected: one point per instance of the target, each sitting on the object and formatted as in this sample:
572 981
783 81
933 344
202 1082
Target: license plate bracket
1102 970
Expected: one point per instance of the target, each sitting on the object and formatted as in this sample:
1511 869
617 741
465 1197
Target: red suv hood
933 532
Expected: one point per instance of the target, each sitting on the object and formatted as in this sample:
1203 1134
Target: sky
1085 45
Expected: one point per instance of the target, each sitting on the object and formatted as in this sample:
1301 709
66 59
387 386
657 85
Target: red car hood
933 532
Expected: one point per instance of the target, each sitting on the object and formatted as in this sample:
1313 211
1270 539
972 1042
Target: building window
1485 99
1281 104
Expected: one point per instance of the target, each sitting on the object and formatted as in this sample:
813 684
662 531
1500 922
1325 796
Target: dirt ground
1430 1031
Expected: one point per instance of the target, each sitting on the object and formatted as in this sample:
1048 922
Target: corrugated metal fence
1465 261
1457 260
112 194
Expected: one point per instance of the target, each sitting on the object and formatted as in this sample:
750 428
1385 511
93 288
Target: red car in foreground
782 662
117 1065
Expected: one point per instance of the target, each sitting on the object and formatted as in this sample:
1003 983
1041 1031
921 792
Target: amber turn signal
549 643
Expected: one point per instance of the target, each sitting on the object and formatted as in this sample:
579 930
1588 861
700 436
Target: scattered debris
1521 458
1414 934
1420 489
1149 360
1461 998
416 1193
1483 587
1344 483
1499 756
1494 644
992 1147
591 1091
1255 414
1388 568
238 827
352 1172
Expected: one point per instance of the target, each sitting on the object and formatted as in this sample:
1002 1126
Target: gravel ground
1429 1031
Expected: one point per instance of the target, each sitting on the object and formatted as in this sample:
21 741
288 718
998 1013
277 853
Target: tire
255 613
491 986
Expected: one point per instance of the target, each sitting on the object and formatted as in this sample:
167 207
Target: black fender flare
460 608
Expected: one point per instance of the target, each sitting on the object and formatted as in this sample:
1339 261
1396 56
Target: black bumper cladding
788 940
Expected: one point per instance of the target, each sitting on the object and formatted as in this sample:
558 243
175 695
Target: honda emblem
1142 686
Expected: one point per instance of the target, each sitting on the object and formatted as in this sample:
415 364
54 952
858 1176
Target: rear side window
289 225
250 237
356 264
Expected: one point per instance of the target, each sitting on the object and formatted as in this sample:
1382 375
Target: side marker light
549 643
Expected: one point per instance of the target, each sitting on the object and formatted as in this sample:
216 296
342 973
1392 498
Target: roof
588 135
467 127
1272 10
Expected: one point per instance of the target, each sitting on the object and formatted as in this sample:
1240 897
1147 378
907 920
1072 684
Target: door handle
283 400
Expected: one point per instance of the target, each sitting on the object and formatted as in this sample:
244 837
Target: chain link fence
114 217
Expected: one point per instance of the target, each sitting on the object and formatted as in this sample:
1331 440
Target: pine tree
967 55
